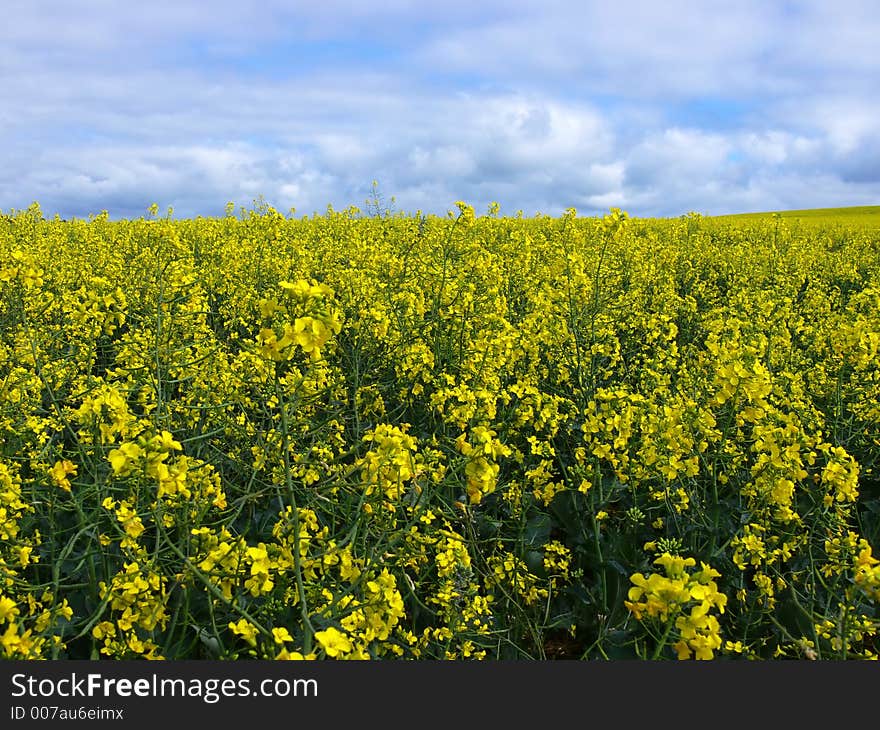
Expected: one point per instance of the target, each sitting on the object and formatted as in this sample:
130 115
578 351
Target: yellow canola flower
271 347
123 459
867 572
311 335
164 441
334 642
303 290
8 609
60 473
281 635
245 629
285 655
483 449
689 599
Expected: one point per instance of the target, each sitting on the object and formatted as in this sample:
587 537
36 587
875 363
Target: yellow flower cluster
483 450
681 602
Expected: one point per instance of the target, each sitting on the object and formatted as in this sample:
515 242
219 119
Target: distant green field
863 216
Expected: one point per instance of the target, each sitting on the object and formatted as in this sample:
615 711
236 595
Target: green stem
308 629
662 643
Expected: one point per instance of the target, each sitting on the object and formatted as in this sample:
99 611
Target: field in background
356 436
867 216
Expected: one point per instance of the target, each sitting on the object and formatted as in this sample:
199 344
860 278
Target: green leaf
537 531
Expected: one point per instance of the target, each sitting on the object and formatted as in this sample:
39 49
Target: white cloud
678 154
777 147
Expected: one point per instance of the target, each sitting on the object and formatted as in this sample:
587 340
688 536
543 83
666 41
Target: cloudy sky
660 108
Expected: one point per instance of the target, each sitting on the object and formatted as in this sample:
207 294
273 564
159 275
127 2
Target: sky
658 108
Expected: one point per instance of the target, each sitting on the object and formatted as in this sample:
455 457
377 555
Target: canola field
352 436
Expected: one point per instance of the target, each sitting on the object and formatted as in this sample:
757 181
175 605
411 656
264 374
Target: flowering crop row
406 436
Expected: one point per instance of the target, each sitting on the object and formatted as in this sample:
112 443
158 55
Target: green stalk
308 629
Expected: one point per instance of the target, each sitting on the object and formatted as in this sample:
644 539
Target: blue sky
657 108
